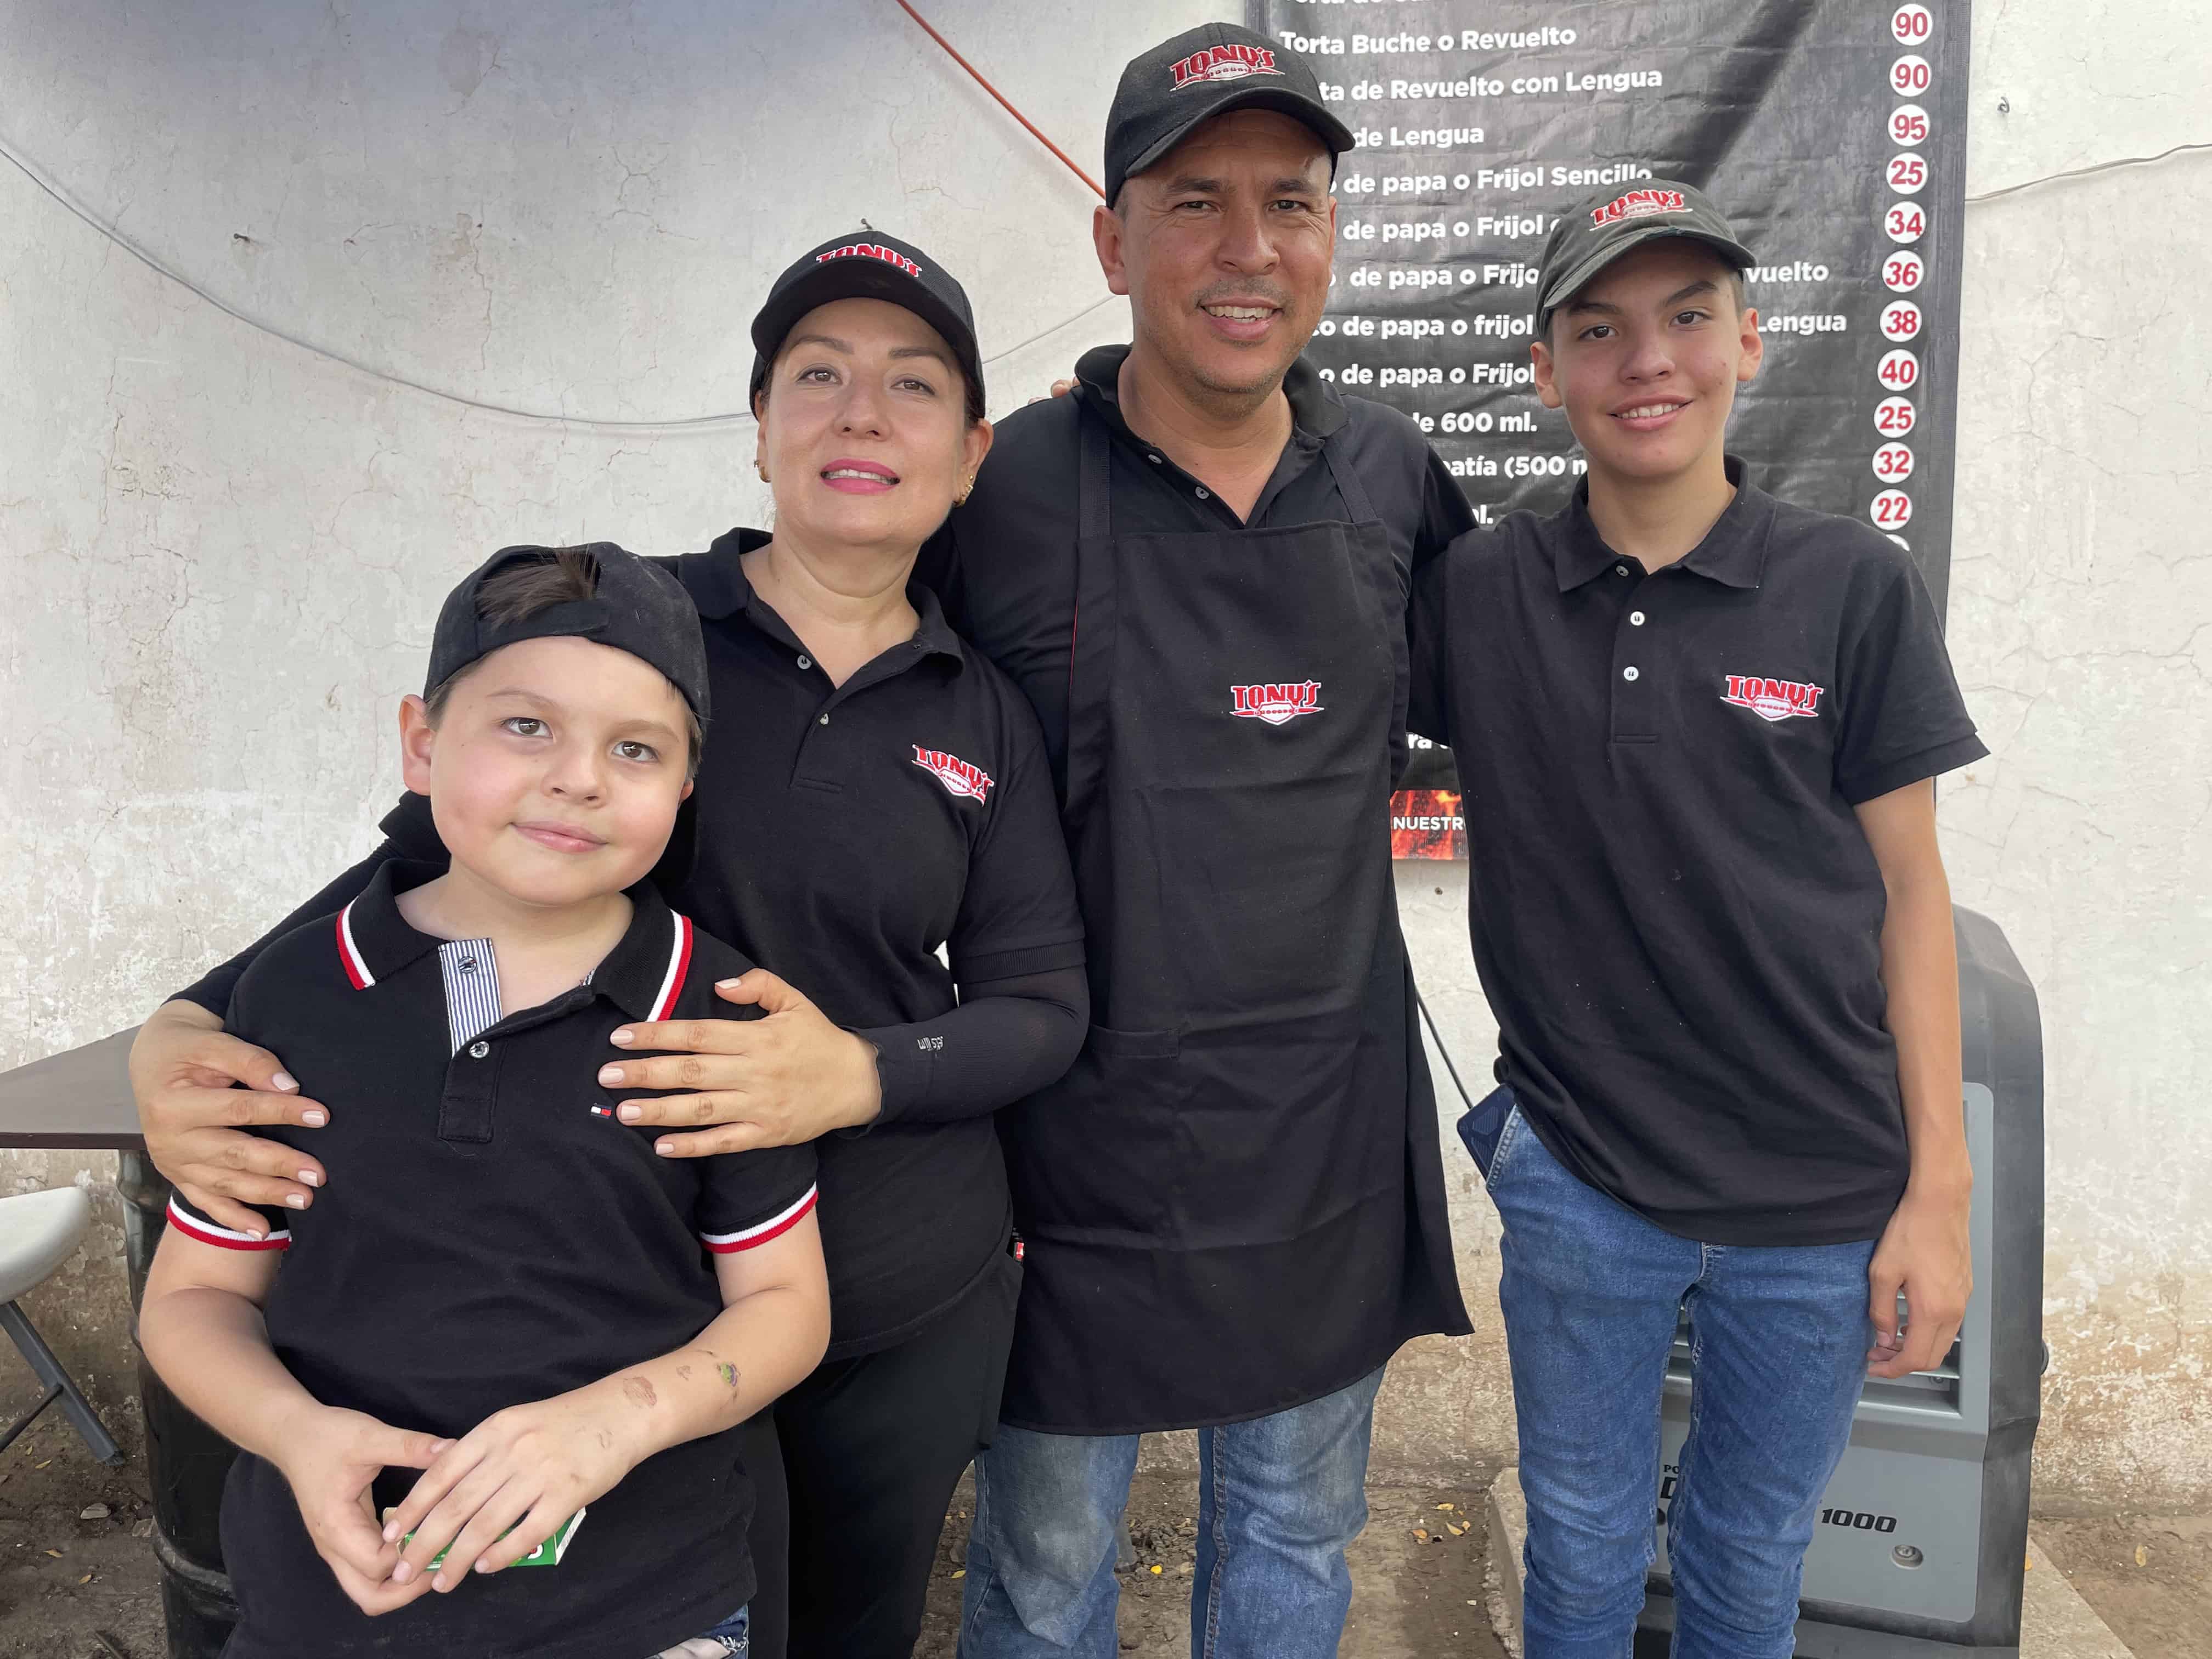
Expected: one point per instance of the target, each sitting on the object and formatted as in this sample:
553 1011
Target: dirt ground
74 1586
1417 1586
2149 1577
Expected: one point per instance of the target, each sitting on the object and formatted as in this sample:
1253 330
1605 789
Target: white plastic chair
39 1231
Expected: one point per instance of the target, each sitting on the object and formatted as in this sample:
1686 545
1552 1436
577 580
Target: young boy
1697 729
508 1290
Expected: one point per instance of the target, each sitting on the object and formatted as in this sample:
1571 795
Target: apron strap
1094 485
1347 476
1091 636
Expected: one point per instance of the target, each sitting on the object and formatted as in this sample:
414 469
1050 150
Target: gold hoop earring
966 490
762 469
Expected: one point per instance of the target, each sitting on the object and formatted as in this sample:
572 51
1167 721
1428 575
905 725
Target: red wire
1000 96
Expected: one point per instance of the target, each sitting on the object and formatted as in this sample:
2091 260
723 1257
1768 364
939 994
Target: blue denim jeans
1778 1340
1279 1499
728 1640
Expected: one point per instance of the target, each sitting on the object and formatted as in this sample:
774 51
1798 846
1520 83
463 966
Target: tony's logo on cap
1772 700
969 782
890 256
1275 704
1637 205
1229 63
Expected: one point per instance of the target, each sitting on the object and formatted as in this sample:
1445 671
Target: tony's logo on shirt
1637 204
970 782
1772 700
1275 704
1227 63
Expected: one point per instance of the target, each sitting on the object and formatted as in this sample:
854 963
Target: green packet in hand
547 1555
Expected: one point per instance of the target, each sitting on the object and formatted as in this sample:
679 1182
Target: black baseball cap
1204 72
866 264
1588 239
636 607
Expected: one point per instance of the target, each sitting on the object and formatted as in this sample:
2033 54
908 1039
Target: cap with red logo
866 264
1204 72
1588 239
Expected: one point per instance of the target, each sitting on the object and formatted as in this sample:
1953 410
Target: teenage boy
508 1290
1696 728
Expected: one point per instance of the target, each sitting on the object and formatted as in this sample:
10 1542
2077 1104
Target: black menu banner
1833 133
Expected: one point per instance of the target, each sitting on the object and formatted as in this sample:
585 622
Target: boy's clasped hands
485 1501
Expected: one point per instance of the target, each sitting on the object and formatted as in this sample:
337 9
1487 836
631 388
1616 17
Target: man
1197 567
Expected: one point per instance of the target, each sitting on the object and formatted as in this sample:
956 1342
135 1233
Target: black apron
1233 1203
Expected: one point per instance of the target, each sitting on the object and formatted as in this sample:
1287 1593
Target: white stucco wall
224 552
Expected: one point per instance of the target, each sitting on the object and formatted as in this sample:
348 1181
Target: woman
871 790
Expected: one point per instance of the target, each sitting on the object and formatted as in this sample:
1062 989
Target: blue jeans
1279 1499
731 1638
1778 1340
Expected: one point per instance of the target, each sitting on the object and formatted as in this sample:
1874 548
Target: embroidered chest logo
1275 704
969 782
1772 700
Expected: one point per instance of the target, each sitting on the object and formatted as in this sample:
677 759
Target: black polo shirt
1006 562
1676 915
492 1235
848 830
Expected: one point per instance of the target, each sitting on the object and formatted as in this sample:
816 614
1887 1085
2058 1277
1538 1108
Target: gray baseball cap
1601 229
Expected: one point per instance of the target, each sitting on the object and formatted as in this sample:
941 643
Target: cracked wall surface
226 551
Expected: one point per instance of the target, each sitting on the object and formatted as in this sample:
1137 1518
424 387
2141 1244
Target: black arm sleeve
409 833
1008 1038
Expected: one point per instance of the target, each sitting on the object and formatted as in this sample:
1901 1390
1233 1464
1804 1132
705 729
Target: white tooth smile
1649 411
851 472
1240 313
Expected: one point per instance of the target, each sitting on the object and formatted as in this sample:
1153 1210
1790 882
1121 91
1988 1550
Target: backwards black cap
1202 73
1588 239
866 264
636 607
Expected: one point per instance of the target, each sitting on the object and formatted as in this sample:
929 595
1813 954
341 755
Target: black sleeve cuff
1874 782
902 1068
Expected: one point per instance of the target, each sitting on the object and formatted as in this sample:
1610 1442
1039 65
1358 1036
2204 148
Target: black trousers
870 1449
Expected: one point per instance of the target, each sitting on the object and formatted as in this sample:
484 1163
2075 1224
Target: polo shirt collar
1316 411
716 582
1733 552
641 975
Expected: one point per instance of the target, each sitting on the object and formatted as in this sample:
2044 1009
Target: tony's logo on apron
970 782
1275 704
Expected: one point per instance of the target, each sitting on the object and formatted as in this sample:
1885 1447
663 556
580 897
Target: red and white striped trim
679 963
760 1233
356 965
208 1233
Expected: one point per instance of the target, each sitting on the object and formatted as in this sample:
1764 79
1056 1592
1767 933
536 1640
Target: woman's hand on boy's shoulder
784 1079
330 1459
183 1069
